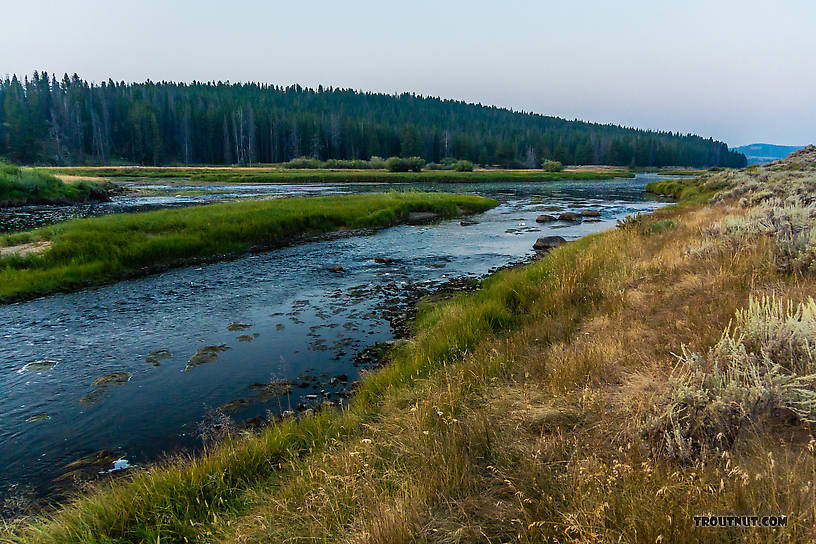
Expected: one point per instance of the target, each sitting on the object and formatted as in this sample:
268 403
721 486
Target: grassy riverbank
74 254
24 186
607 393
685 191
279 175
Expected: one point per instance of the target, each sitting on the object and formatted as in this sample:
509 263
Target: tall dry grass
526 412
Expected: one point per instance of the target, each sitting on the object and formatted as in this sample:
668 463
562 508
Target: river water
293 320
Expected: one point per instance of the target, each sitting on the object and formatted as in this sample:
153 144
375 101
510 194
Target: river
292 319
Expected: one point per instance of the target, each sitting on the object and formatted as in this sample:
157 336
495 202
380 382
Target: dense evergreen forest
73 122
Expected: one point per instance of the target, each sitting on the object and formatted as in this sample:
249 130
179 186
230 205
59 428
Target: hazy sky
741 71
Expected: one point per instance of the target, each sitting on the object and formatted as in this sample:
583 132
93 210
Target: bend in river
135 367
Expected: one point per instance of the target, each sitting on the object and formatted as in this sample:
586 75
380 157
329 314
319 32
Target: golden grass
516 414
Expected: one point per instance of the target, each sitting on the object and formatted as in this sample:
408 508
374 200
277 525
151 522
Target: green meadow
279 175
82 252
21 186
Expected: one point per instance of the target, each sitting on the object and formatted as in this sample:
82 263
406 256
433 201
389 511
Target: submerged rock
384 260
114 378
590 213
38 417
102 383
93 397
155 357
272 389
569 216
548 243
91 467
546 218
236 326
102 458
39 366
468 222
336 268
234 405
245 338
207 354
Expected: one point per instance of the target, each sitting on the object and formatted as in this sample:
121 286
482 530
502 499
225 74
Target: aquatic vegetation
207 354
89 251
155 357
114 378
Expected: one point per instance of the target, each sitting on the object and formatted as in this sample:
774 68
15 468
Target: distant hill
74 122
763 153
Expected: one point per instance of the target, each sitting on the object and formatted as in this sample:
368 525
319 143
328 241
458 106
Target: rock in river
39 366
207 354
235 326
384 260
548 243
546 218
114 378
272 389
590 213
336 268
154 357
569 216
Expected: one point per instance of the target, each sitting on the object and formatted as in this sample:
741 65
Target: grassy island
81 252
25 186
608 392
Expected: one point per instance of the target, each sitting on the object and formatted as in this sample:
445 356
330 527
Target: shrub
408 164
463 166
790 229
303 162
763 367
377 162
785 333
552 166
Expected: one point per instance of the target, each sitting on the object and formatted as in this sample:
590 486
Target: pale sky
740 71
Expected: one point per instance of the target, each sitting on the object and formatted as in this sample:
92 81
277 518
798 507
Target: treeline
73 122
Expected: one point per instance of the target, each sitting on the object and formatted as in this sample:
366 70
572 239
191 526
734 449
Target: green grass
90 251
677 171
515 402
19 186
277 175
515 413
685 192
177 501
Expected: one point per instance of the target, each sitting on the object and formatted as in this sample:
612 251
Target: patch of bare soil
26 250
